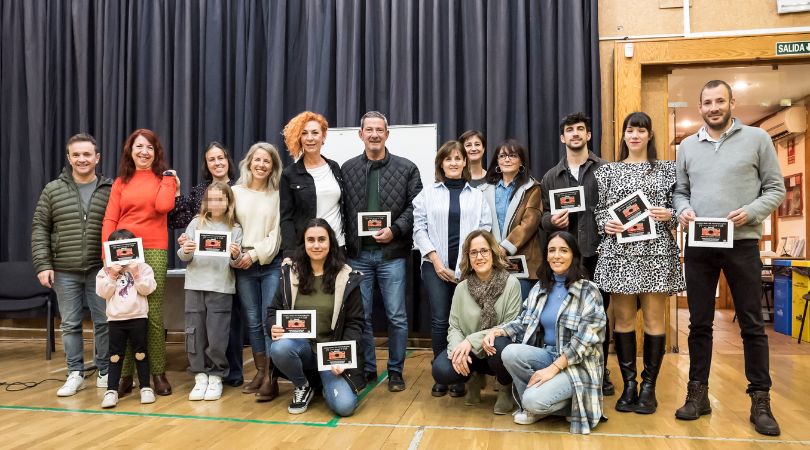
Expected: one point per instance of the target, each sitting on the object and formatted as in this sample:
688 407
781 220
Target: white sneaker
74 383
214 390
101 381
200 385
147 395
110 399
523 417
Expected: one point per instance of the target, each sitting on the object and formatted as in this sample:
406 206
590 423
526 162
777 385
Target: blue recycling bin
782 296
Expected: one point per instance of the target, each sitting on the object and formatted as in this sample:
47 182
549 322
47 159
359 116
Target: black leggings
133 330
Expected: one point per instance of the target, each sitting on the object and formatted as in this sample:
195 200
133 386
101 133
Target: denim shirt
502 196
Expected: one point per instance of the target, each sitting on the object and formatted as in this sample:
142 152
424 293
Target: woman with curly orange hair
313 186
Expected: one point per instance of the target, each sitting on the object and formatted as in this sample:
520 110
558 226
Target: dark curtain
236 71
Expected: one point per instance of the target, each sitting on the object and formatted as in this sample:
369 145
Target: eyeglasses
504 156
484 253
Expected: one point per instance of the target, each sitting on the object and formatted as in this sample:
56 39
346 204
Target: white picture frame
648 232
637 202
212 243
348 357
559 199
303 316
711 232
123 252
365 227
516 265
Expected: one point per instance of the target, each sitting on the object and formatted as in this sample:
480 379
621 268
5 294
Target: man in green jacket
66 249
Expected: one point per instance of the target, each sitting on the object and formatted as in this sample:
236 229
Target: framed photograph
369 223
516 265
630 210
123 252
337 353
297 323
572 199
212 243
792 205
640 231
711 232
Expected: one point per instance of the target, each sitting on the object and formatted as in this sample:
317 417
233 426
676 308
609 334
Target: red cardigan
141 206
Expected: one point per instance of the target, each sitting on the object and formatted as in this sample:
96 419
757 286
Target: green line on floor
331 424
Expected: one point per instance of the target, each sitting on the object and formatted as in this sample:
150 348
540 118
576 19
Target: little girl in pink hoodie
125 288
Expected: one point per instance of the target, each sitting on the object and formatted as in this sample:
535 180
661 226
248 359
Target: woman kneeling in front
487 297
319 280
557 365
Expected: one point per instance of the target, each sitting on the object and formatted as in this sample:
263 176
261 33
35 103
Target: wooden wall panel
654 94
733 15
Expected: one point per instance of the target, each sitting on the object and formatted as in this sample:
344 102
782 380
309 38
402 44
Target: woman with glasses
443 215
487 297
515 199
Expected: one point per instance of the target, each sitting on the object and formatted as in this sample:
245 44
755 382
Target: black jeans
590 265
743 270
443 372
133 330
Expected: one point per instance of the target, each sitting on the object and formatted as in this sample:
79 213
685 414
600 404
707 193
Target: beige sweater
258 214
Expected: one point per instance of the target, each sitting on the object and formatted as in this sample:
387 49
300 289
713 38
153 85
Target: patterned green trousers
156 334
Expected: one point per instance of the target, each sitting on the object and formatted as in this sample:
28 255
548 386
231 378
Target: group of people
295 245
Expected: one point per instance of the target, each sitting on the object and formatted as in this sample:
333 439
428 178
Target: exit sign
793 48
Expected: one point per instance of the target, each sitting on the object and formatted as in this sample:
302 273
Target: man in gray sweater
727 170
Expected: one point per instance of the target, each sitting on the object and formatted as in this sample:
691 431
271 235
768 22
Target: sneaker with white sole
101 381
214 390
110 399
301 398
74 383
200 385
523 417
147 395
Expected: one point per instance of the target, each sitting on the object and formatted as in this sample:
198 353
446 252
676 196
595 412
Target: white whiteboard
417 143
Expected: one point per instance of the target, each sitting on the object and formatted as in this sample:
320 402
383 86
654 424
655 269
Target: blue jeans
440 296
256 287
293 356
73 291
553 396
390 275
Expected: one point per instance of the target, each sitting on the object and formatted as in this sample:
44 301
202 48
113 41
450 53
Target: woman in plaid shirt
556 361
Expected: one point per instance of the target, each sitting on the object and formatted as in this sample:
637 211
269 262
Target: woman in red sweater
140 201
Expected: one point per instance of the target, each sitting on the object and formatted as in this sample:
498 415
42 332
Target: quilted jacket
400 183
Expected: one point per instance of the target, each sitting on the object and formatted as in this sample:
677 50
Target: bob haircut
126 167
206 173
295 128
510 146
498 258
444 151
246 177
335 260
641 120
575 272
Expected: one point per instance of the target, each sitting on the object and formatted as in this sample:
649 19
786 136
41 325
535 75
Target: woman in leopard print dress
642 271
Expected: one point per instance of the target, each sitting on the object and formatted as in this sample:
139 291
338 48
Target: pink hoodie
126 295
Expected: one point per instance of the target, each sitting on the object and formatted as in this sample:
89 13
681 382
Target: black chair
21 295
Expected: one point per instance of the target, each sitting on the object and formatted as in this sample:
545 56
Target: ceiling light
740 85
785 102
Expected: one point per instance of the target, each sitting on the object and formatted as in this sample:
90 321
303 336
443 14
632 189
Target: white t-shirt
574 170
327 192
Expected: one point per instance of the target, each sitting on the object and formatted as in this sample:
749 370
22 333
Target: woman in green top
488 297
319 280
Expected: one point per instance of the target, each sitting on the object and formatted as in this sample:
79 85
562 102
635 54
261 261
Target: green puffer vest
62 236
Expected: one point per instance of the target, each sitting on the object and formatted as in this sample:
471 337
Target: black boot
761 415
625 344
697 402
654 349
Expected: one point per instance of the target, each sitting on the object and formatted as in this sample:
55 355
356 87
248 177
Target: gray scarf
486 293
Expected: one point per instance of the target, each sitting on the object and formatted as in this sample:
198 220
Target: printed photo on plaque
630 210
641 231
369 223
297 324
572 199
212 243
516 265
711 232
337 353
123 252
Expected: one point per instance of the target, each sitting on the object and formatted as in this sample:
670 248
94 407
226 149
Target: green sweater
465 315
63 237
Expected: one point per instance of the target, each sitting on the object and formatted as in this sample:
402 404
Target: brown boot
161 384
269 388
125 385
260 359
